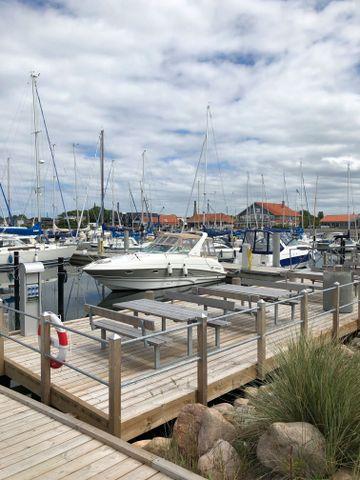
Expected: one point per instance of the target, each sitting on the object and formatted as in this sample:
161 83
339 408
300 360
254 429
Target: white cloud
282 79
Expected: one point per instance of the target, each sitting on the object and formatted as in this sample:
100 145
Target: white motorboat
292 253
31 251
172 260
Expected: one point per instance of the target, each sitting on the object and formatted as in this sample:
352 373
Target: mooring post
16 290
115 385
336 313
45 360
61 282
2 342
202 369
304 313
261 342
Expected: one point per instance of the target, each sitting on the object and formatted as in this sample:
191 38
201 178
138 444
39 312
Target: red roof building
273 213
211 219
339 220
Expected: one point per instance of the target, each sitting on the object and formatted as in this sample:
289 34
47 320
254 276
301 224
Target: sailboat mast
142 187
112 196
53 201
8 185
34 76
206 163
247 200
102 178
76 185
301 195
262 200
348 196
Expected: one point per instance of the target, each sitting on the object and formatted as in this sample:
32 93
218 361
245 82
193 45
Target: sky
281 78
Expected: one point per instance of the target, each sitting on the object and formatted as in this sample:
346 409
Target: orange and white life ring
61 342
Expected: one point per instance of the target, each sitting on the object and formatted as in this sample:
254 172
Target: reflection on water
79 289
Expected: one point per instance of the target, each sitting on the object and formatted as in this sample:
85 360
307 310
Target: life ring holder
61 342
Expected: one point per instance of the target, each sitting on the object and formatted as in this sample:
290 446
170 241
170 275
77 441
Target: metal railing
115 344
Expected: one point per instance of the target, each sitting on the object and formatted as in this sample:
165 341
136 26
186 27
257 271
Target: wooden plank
200 300
119 317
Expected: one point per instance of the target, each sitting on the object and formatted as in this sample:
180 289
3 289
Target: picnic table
251 294
172 312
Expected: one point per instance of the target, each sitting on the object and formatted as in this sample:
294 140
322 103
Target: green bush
316 382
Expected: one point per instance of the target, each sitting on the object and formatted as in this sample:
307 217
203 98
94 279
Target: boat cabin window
171 244
208 250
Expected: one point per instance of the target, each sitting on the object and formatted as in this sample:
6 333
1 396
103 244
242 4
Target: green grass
316 382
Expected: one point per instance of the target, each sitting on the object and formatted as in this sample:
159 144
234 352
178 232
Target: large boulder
240 401
187 427
298 447
343 474
213 428
220 463
226 410
141 443
158 446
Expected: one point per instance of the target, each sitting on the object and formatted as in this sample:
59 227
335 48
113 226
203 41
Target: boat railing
260 346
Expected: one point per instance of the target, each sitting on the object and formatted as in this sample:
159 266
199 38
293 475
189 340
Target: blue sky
281 78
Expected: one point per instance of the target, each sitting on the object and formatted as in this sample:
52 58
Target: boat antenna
34 77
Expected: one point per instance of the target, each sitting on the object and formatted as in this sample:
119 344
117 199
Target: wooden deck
157 399
39 442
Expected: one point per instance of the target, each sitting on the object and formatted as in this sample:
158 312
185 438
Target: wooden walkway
152 401
39 442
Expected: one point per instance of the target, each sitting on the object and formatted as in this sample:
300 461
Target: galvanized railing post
202 369
336 313
45 341
2 343
304 313
261 342
115 384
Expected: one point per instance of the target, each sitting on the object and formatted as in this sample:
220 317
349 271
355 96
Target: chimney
283 204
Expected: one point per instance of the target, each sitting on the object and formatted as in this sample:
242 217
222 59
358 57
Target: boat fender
61 342
221 254
185 270
170 269
10 259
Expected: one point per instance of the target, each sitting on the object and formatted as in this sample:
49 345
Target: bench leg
276 313
156 357
292 312
189 340
163 324
103 337
217 337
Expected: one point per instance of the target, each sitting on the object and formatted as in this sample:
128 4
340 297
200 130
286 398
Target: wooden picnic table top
161 309
245 292
305 274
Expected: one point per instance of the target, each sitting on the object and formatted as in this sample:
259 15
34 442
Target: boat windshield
171 244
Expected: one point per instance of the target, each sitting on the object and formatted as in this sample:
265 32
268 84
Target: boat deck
158 397
39 442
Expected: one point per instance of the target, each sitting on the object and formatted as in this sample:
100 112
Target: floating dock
150 397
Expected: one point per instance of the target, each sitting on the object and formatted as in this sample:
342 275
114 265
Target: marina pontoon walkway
152 397
38 442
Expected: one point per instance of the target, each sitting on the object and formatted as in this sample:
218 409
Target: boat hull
154 280
48 256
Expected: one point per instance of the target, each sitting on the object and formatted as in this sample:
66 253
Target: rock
141 443
158 446
240 401
355 342
343 474
298 441
213 428
251 392
187 427
265 388
220 463
347 351
226 410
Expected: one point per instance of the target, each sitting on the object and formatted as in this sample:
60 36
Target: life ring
61 342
